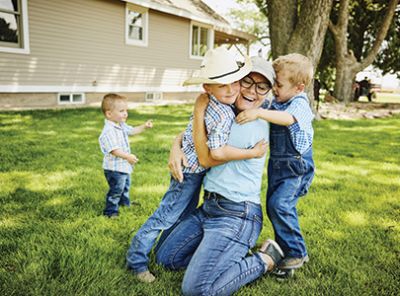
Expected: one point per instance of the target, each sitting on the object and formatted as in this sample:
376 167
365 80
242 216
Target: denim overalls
289 176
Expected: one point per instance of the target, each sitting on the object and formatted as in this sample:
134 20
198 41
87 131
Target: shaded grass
54 241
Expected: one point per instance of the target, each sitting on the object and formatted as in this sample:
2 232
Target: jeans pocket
296 167
307 183
229 208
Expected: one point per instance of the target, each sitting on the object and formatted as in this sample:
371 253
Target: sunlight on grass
355 218
336 234
57 201
47 133
354 127
9 222
36 181
15 119
157 190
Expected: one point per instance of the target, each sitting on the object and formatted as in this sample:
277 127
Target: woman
213 242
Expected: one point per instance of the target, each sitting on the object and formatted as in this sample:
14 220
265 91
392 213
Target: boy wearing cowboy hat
219 74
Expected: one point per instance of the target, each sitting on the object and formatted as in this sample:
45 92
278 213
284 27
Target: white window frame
25 49
145 14
71 102
210 38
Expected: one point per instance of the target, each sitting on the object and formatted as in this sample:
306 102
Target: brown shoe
292 262
146 277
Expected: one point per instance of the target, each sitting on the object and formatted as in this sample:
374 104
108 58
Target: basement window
71 98
153 96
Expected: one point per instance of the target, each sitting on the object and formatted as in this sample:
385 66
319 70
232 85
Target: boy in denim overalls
290 166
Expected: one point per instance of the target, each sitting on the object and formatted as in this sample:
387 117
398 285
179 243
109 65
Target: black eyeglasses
262 88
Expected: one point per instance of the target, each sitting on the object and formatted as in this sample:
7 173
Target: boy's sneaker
113 216
146 277
292 262
282 274
272 249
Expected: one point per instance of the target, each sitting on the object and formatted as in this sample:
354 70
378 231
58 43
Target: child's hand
260 149
177 159
132 159
148 124
247 115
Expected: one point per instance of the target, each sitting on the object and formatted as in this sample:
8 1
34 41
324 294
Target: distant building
71 52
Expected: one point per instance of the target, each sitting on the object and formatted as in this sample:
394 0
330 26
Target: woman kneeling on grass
213 242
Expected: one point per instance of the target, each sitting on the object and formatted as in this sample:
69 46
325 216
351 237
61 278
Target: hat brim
243 71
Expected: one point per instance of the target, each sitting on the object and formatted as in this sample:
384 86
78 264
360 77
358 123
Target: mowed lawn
54 240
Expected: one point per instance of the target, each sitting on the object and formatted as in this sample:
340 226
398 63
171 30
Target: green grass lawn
54 240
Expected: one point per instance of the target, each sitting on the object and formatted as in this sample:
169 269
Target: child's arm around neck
277 117
214 157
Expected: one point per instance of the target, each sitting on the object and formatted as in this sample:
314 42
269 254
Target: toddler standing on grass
220 74
291 166
118 160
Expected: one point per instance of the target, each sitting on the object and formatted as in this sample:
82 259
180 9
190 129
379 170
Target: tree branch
333 28
380 35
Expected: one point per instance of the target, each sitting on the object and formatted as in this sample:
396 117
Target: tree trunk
345 77
347 65
298 28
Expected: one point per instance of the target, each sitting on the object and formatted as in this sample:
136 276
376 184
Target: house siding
81 45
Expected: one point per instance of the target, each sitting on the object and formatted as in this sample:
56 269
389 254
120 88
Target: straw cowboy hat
219 66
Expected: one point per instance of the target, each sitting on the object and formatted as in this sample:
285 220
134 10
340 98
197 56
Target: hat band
239 64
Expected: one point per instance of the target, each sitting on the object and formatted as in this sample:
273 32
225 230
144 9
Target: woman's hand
247 115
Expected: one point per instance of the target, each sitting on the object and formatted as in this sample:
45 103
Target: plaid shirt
218 120
115 136
301 132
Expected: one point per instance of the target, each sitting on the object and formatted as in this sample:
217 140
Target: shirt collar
112 123
283 105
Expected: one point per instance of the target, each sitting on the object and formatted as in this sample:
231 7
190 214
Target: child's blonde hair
109 101
299 68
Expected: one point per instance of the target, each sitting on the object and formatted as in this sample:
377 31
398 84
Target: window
201 40
14 26
136 25
72 98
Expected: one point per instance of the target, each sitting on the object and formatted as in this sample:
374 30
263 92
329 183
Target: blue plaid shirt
115 136
301 132
218 120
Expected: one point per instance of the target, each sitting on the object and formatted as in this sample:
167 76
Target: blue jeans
289 178
118 194
180 200
213 244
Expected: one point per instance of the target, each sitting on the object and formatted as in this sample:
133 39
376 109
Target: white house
71 52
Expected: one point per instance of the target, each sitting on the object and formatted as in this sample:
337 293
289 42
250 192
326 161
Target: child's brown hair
299 68
109 101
